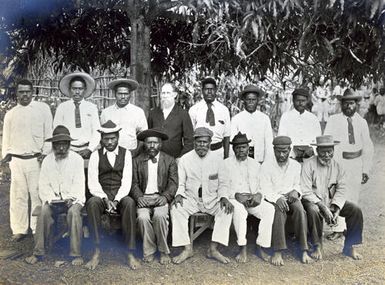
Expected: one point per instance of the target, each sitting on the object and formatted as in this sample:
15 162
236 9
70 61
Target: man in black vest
109 181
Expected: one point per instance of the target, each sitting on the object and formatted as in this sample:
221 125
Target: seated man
280 182
323 184
241 174
154 184
61 190
109 181
199 191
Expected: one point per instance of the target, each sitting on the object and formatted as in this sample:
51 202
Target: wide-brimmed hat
64 83
349 94
109 127
240 138
152 133
251 89
131 83
326 140
282 140
60 133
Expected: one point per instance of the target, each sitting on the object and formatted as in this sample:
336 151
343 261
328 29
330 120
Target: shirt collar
125 107
115 151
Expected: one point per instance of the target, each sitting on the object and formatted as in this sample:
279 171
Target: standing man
174 121
61 189
26 127
129 117
200 190
323 184
154 184
213 115
280 181
109 181
355 152
255 124
300 125
241 174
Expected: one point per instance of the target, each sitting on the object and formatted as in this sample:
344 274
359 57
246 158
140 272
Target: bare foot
91 265
317 254
262 254
215 254
77 261
242 255
149 258
133 263
185 254
306 259
277 259
352 252
31 259
164 258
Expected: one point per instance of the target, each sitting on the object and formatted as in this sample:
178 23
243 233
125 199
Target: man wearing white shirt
109 181
300 125
129 117
280 181
26 126
255 124
61 190
215 116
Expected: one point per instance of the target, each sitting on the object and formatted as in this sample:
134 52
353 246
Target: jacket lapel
172 114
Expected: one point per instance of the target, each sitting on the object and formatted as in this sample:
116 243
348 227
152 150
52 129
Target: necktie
350 131
78 121
210 118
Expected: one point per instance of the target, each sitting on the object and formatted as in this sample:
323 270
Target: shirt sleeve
227 131
223 180
142 122
6 133
182 177
58 119
46 193
124 189
47 128
95 125
307 183
192 113
93 177
78 182
268 140
282 129
368 149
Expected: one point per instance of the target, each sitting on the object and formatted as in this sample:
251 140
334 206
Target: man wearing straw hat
61 190
129 117
324 188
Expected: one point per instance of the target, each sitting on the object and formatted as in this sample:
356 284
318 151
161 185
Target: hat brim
353 97
109 130
152 133
130 82
64 83
326 144
58 138
259 93
240 142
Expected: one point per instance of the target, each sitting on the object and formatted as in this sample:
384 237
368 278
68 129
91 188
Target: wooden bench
199 222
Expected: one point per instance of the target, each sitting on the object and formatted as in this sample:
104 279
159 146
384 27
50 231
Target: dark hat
109 127
282 140
251 89
326 140
131 83
60 133
301 92
349 94
240 138
203 132
64 83
152 133
209 80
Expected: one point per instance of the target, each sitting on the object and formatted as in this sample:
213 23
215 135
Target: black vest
110 176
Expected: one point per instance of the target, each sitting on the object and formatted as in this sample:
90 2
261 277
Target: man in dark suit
174 121
154 184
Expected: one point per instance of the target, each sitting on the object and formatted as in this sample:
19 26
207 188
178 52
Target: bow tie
153 159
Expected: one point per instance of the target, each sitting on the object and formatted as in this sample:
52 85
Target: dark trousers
127 209
297 215
353 218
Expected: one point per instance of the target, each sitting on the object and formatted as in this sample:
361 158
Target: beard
61 156
166 103
324 162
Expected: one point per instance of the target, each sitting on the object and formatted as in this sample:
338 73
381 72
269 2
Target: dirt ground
334 269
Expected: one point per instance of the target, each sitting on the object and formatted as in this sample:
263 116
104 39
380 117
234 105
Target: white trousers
24 186
180 216
265 212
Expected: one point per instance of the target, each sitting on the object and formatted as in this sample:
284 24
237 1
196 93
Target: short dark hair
209 80
24 81
78 78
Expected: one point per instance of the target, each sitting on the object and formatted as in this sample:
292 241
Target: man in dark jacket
154 184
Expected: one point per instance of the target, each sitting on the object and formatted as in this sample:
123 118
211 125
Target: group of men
177 163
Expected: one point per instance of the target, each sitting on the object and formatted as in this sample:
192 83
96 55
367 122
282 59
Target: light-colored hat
60 133
64 83
109 127
132 83
203 132
349 94
326 140
251 89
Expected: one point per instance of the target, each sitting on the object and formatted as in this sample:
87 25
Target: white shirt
152 183
62 179
93 175
257 127
321 109
167 111
222 119
338 128
88 133
278 180
26 128
130 118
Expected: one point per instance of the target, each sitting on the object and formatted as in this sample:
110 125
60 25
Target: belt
351 154
216 146
30 156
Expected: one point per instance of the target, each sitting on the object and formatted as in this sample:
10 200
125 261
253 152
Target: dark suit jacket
167 176
177 126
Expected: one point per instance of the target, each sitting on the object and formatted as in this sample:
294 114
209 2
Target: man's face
202 145
77 89
110 141
167 96
123 96
251 101
348 107
152 146
60 149
209 91
24 94
325 154
299 103
281 153
241 151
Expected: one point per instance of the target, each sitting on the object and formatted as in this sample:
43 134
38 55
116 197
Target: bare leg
214 253
317 254
164 258
133 263
242 255
185 254
91 265
277 259
262 254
